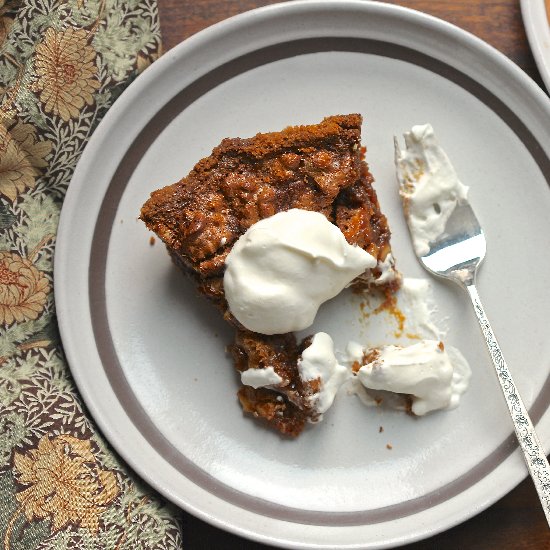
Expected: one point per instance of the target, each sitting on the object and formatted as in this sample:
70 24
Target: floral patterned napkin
62 65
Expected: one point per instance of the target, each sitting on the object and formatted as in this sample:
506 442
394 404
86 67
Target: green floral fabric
62 65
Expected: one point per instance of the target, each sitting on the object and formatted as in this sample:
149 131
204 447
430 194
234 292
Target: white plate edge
537 28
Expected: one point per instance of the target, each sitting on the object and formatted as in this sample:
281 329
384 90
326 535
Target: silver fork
456 255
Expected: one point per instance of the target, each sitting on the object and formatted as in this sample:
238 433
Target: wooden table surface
516 521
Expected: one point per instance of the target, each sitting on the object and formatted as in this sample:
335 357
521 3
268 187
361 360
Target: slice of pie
317 167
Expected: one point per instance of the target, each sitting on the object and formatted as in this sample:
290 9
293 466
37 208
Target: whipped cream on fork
428 185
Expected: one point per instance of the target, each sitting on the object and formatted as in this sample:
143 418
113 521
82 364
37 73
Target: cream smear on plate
428 185
433 376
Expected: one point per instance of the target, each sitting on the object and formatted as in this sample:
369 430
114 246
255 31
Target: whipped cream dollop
428 185
416 301
318 362
284 267
434 377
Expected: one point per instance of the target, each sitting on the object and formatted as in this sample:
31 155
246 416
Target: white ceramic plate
148 354
537 26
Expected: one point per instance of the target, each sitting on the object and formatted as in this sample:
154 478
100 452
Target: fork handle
525 432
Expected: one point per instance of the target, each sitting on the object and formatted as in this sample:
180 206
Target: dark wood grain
516 522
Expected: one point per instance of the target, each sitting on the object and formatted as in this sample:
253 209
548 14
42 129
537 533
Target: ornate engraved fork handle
529 442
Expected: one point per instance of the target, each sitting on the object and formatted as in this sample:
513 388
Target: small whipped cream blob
284 267
261 378
318 362
434 377
428 185
388 273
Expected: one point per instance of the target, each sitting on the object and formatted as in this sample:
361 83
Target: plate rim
204 36
537 28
